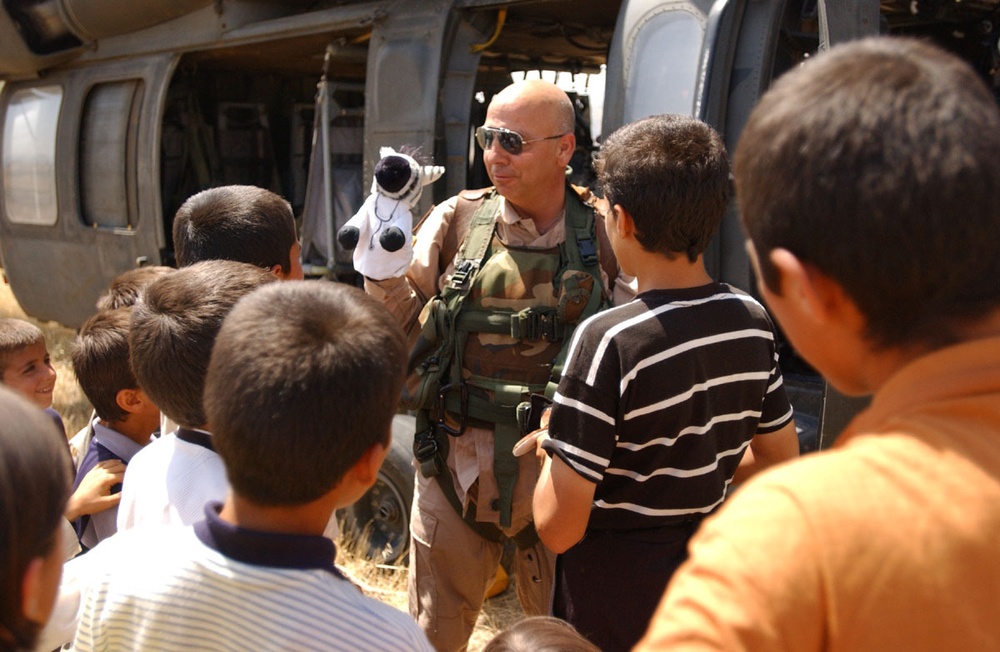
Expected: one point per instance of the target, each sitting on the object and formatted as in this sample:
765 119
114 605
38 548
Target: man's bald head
540 98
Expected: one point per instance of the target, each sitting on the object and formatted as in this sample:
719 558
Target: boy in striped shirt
663 400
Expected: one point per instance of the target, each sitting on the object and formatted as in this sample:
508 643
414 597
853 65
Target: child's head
24 361
101 363
128 286
305 378
540 634
242 223
876 164
174 326
671 173
35 481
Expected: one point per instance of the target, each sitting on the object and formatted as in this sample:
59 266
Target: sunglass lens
511 141
484 137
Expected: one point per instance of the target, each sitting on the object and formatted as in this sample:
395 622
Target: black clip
464 402
464 270
587 251
533 324
425 450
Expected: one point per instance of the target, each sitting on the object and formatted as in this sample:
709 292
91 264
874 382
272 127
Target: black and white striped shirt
660 398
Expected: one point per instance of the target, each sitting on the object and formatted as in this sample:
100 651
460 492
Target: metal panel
81 260
404 73
845 20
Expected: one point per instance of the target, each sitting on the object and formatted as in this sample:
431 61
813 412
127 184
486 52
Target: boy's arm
766 450
561 505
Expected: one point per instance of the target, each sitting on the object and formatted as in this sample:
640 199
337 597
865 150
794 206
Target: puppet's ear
385 151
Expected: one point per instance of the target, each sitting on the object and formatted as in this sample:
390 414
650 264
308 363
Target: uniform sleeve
405 296
585 406
751 581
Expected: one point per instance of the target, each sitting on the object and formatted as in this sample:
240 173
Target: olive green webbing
502 409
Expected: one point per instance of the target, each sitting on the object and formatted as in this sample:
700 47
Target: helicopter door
79 198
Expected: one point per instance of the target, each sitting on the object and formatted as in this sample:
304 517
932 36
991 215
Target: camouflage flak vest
497 333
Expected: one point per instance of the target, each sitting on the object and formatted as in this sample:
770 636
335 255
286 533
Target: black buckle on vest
464 409
464 270
425 450
533 324
587 251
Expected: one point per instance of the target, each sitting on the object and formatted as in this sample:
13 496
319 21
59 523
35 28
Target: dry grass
388 584
384 583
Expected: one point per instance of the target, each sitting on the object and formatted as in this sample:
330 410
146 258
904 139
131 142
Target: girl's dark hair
35 481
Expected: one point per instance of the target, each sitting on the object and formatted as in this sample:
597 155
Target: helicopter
111 118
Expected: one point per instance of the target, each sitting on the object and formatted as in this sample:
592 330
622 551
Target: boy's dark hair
304 377
35 481
174 326
101 361
671 173
540 634
16 334
877 163
125 290
242 223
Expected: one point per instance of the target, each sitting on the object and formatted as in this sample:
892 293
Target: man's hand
94 493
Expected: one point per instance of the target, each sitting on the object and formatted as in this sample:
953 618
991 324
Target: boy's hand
534 440
94 493
531 442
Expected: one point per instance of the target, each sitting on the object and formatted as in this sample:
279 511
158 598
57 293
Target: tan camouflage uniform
451 566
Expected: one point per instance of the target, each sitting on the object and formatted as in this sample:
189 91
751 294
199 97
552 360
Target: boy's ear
32 590
818 295
624 223
367 467
131 400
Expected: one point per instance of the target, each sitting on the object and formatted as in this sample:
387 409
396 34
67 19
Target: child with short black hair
868 182
123 292
127 287
302 386
172 332
25 366
662 397
242 223
125 416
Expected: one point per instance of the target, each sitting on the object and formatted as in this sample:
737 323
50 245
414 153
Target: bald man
499 279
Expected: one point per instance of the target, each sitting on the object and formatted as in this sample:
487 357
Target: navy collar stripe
294 551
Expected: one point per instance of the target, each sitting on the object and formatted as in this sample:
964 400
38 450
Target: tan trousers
451 566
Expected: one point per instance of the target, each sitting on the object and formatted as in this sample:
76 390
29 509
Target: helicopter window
107 146
29 155
662 68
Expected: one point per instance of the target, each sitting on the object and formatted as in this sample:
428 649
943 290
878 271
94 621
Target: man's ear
819 296
567 145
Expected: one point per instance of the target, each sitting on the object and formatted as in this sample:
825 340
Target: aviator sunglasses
511 141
